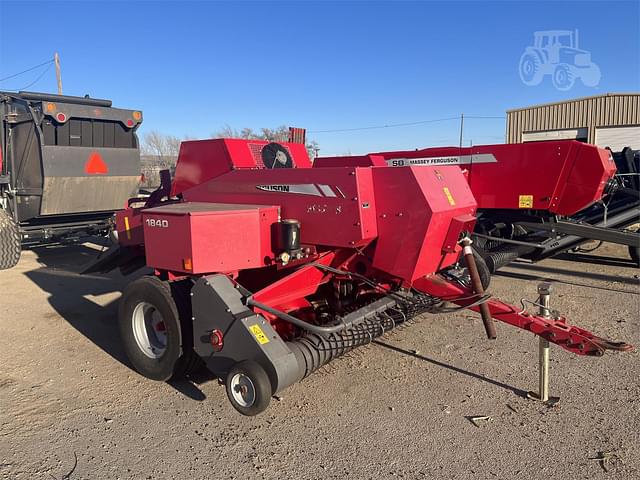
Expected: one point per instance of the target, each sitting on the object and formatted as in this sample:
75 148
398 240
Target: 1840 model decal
155 223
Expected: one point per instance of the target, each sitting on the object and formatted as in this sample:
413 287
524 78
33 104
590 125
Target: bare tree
278 134
159 152
164 148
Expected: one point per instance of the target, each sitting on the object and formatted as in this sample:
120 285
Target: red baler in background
527 194
266 267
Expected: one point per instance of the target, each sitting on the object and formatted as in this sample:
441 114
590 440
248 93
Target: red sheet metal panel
199 238
202 160
335 207
417 208
562 177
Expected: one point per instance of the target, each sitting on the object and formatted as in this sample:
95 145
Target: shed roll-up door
568 134
616 138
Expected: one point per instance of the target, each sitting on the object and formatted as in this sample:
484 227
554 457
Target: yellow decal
525 201
452 202
126 227
259 334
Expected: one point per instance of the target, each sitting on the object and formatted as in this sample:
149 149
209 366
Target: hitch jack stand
544 292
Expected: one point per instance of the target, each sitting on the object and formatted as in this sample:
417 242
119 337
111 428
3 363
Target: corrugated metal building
609 120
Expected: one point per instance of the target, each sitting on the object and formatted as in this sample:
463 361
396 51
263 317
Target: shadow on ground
542 277
596 260
517 391
627 278
68 292
70 296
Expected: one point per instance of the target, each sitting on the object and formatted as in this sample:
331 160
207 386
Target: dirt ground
399 408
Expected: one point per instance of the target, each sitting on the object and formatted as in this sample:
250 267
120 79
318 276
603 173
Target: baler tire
10 241
634 252
181 292
177 355
112 236
259 381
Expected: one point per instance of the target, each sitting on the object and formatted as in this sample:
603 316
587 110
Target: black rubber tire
112 236
10 241
181 292
261 383
178 357
634 253
483 269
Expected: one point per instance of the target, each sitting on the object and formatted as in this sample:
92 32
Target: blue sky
193 67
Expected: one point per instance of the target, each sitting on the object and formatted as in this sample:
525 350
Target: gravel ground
398 408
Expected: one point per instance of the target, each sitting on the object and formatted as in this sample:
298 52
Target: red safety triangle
95 165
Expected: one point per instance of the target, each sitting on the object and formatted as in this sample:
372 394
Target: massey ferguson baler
267 268
526 194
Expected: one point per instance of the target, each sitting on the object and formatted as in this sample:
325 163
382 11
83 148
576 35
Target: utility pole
56 59
461 127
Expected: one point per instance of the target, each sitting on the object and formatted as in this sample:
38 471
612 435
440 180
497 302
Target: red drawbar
95 165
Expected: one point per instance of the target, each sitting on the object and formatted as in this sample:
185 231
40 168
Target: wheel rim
242 390
149 330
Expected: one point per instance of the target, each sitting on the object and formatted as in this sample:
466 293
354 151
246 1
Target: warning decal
95 165
452 202
259 334
525 201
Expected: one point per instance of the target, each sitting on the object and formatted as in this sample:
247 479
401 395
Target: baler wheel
154 339
248 388
10 242
634 252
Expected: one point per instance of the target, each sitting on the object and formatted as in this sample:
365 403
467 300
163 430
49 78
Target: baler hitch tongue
609 345
555 330
569 337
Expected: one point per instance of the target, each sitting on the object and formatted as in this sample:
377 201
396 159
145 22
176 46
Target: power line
384 126
36 80
407 124
27 70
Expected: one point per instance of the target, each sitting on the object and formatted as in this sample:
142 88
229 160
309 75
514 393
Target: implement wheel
634 253
155 329
248 388
10 242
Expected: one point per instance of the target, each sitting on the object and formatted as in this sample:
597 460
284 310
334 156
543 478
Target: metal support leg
543 367
544 292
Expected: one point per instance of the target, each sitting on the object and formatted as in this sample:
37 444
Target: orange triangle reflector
95 165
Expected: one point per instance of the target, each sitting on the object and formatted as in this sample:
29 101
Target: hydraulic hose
367 312
614 187
323 330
